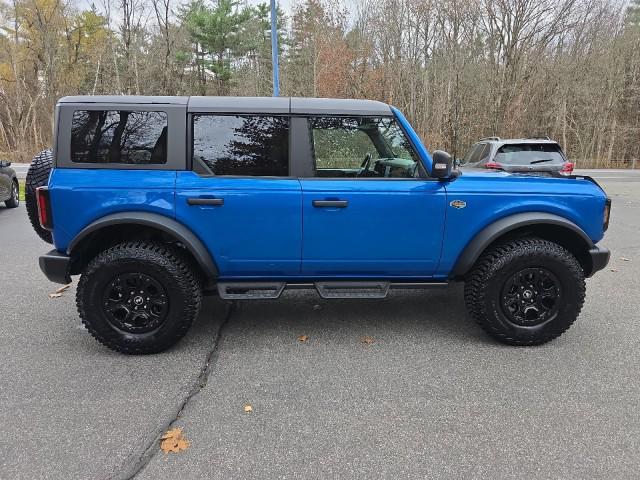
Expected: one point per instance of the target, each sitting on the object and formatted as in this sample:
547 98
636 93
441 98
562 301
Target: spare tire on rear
38 176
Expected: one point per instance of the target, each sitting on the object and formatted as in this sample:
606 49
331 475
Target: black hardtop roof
275 105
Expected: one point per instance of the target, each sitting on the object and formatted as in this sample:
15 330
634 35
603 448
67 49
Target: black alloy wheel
531 296
135 302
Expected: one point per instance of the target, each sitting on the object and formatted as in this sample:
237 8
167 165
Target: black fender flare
165 224
493 231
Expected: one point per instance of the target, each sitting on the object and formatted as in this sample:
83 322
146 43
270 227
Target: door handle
330 203
205 201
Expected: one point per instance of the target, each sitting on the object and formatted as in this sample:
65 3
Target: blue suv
156 201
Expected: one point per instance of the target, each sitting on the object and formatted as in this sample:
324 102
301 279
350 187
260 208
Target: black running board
352 289
328 289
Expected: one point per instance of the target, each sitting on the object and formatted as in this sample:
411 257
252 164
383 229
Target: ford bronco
155 201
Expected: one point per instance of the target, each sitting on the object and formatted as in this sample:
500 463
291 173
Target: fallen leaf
173 441
367 340
624 259
303 338
248 408
174 432
63 288
58 293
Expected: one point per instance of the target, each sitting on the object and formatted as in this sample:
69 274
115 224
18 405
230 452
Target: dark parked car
518 155
9 189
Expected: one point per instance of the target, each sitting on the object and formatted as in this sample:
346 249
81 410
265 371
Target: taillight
567 168
44 208
607 214
494 165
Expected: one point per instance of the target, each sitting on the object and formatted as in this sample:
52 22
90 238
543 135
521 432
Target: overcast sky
286 5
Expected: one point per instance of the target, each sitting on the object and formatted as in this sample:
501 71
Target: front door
239 198
370 210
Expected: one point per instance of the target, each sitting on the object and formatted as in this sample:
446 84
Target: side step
352 289
327 290
250 290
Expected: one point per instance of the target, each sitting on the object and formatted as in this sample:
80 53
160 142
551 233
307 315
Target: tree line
459 69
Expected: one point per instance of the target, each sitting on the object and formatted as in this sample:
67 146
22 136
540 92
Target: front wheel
525 291
138 297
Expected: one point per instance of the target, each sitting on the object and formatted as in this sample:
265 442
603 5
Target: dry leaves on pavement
367 340
173 441
303 338
58 293
248 408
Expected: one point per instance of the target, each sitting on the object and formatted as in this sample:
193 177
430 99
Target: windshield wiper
541 161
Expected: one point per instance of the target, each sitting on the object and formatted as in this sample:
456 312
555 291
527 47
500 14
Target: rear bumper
55 266
599 259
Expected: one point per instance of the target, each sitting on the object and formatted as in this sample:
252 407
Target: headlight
607 213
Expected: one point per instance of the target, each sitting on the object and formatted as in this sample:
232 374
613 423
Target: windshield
530 154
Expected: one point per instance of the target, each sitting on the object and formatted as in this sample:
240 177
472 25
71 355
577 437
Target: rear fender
170 227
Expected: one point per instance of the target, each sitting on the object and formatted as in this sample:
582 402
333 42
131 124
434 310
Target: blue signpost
274 50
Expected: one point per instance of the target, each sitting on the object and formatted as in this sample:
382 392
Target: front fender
497 229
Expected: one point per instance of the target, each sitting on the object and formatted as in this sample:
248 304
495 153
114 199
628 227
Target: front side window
242 145
362 147
116 136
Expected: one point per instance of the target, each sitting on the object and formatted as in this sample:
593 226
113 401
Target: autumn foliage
459 69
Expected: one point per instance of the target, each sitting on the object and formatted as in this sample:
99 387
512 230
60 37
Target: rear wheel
138 297
38 176
526 291
14 200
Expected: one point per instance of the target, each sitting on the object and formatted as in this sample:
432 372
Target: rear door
369 210
239 198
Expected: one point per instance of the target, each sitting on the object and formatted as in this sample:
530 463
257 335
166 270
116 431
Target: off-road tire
163 264
14 200
485 284
37 176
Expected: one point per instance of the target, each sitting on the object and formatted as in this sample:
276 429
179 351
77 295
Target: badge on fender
458 203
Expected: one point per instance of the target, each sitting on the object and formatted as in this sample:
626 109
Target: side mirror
5 163
442 164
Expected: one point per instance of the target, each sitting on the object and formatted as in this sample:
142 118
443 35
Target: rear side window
530 154
117 136
255 145
476 153
471 153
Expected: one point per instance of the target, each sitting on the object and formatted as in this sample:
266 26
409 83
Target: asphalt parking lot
431 397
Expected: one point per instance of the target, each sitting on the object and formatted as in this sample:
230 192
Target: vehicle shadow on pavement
431 315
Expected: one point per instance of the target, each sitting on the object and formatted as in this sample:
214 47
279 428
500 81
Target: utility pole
274 50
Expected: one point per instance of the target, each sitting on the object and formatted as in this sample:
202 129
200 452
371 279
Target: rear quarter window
477 152
119 136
